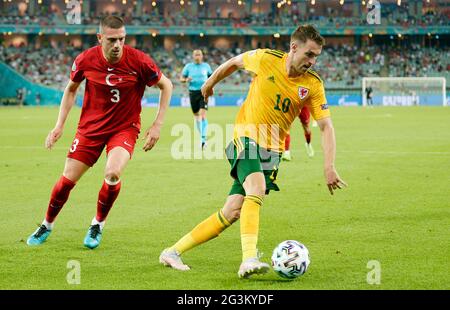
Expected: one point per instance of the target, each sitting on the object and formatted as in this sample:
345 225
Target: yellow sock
206 230
250 225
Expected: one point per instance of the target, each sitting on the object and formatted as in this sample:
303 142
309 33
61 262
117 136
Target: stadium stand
45 59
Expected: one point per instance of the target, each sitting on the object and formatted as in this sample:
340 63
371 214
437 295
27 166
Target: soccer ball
290 259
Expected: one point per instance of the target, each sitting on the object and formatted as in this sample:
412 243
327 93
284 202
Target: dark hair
305 32
111 21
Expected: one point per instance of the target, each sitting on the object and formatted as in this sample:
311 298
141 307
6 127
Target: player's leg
82 155
232 208
308 146
209 229
118 157
212 226
195 106
249 171
73 171
120 148
287 148
198 122
255 187
203 108
258 179
204 122
305 117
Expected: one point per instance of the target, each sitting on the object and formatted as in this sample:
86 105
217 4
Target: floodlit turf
396 209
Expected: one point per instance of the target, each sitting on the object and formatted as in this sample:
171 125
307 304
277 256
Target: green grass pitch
396 209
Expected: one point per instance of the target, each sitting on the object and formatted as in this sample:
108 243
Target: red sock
308 137
106 197
60 194
287 142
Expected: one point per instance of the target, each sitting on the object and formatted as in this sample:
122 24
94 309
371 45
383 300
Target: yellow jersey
274 100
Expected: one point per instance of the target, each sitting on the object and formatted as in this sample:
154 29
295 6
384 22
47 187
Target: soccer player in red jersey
116 77
304 117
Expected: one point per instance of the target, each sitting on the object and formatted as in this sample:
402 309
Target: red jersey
112 99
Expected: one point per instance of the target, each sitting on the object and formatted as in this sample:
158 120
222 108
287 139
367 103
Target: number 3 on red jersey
74 145
116 95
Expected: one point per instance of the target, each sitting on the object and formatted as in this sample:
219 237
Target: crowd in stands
49 66
287 16
340 66
344 65
419 61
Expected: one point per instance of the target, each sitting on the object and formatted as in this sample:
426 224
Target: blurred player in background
116 77
304 117
369 92
195 74
283 83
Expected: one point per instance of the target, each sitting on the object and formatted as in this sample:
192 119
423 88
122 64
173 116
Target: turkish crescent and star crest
112 81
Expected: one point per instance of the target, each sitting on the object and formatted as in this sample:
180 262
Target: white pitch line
28 147
397 152
35 147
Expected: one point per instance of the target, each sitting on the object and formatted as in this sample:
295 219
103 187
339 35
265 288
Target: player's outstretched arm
67 102
224 70
329 150
152 134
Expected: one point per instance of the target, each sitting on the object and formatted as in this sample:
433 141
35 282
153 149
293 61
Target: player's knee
231 214
262 191
257 186
257 190
112 175
232 208
72 174
234 215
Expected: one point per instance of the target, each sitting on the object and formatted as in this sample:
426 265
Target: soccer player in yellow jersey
283 83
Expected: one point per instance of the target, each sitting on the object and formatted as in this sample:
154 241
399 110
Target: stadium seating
339 66
342 64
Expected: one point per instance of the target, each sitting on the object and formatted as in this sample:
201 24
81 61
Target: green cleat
93 237
39 236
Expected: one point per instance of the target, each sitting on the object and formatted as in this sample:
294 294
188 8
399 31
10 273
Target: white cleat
309 150
170 258
252 266
286 156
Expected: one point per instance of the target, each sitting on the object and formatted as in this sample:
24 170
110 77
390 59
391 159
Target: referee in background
195 74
